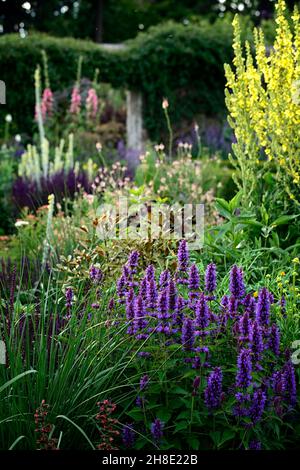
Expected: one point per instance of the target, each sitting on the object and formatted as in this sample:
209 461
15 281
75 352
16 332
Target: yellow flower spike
296 261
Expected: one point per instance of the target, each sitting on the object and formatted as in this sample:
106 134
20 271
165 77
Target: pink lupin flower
91 104
47 101
75 101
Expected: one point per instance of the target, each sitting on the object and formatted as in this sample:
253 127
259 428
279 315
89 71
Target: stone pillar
134 127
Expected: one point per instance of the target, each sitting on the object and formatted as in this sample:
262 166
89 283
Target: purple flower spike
244 327
128 436
183 256
244 372
163 305
96 275
139 315
202 312
263 307
194 278
188 334
172 295
274 341
157 430
258 405
290 382
254 445
211 278
69 297
213 391
150 272
133 261
256 339
236 286
151 293
196 384
164 278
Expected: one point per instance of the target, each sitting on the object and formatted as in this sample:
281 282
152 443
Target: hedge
183 63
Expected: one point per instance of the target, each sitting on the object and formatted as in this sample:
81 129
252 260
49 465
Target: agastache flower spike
194 278
250 305
236 287
256 339
290 382
274 341
244 372
150 272
139 317
157 430
211 278
133 261
171 294
213 391
244 327
202 313
263 307
164 278
151 293
183 261
258 405
188 335
128 436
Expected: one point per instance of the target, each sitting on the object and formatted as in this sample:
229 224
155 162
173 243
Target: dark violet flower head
139 315
188 334
157 430
196 384
213 391
254 445
133 261
144 382
178 314
163 305
69 297
111 304
211 278
164 278
274 340
250 305
278 383
150 272
257 407
244 369
194 278
201 312
151 293
143 287
232 306
290 383
128 436
183 256
263 307
121 286
236 286
96 275
256 339
244 327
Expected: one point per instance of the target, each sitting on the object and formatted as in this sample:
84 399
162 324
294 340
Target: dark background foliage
117 20
180 62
